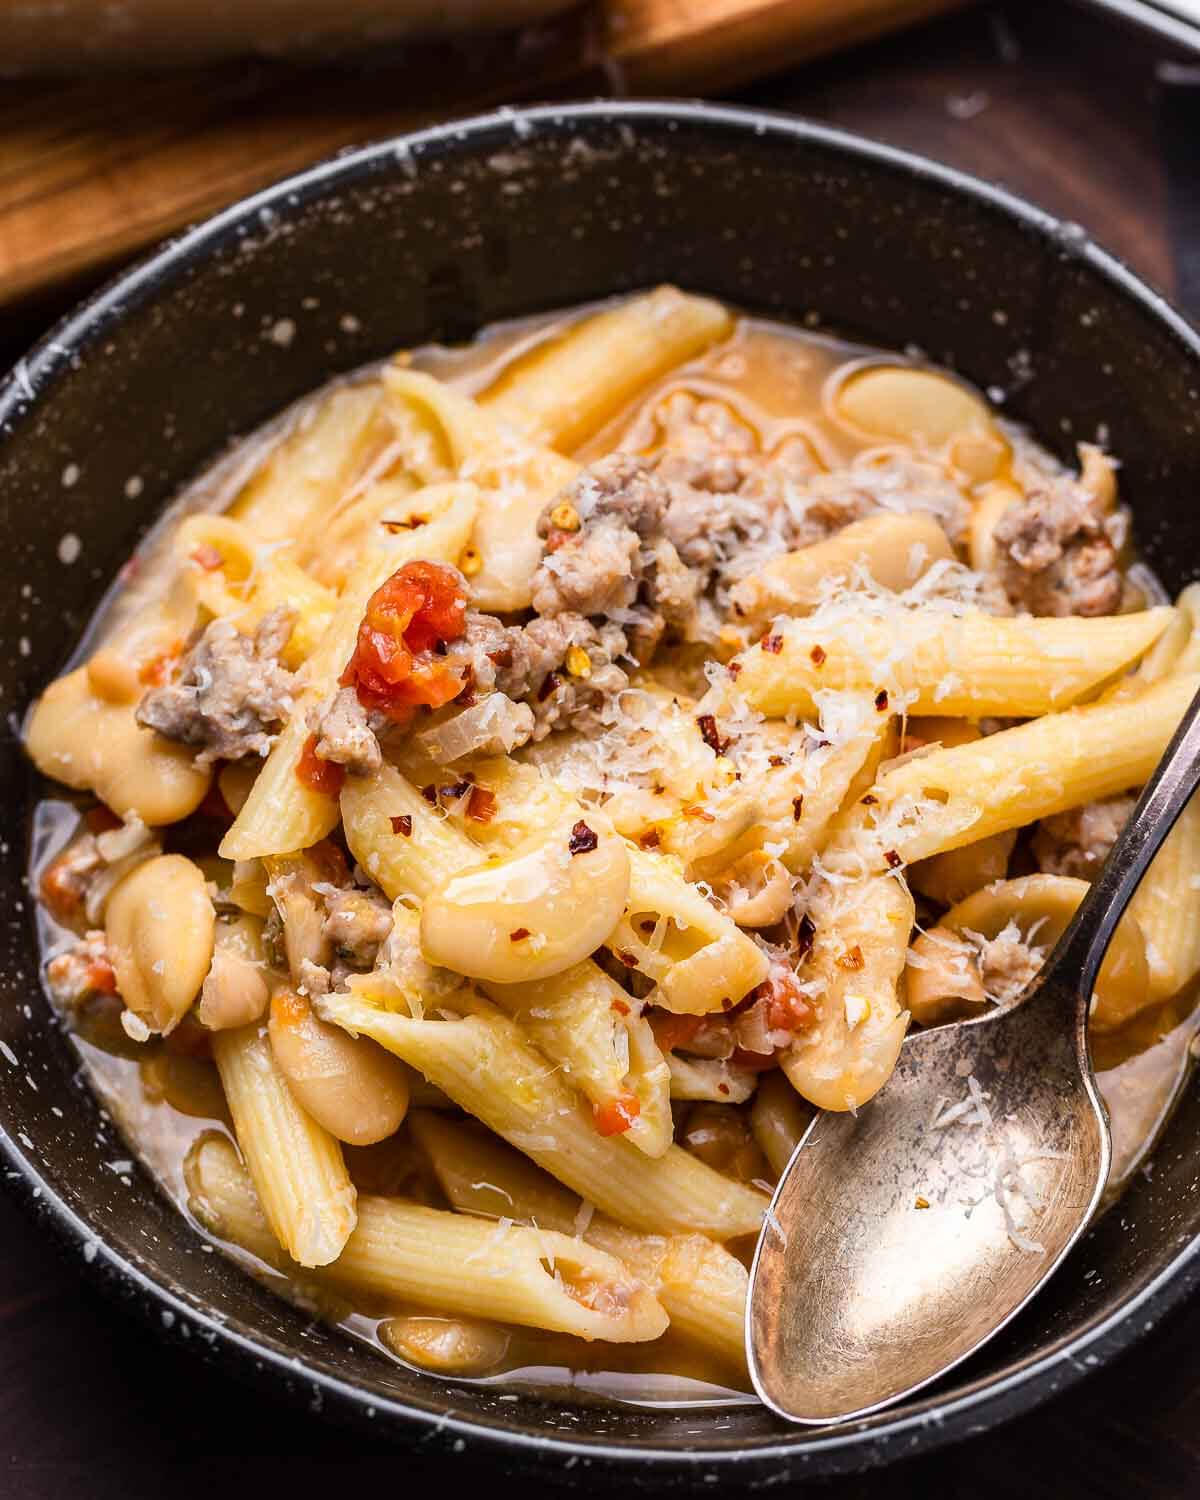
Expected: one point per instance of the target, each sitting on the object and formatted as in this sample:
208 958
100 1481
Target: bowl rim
933 1421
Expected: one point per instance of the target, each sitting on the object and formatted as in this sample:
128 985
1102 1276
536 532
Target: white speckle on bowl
282 332
168 1318
23 645
70 476
348 323
133 486
69 548
7 1051
90 1249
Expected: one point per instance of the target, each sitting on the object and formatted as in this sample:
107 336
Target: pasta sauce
613 770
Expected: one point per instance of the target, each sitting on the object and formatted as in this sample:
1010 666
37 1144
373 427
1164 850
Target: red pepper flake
620 1007
851 959
318 774
207 557
818 655
788 1007
707 725
549 683
394 668
518 934
430 795
410 525
650 839
868 800
881 700
777 761
627 958
735 670
722 1088
647 925
893 859
481 805
454 790
772 643
617 1115
402 824
797 808
701 814
805 933
583 840
501 658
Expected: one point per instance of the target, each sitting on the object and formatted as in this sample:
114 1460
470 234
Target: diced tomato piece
788 1007
101 977
394 668
207 557
319 775
671 1031
617 1115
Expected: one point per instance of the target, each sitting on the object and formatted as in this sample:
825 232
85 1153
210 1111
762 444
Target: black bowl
433 237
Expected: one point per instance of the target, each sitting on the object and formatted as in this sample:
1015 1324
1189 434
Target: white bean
159 924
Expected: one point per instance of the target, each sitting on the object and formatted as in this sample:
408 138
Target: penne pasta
959 795
929 662
1166 907
484 1064
566 390
447 1262
700 1284
295 1164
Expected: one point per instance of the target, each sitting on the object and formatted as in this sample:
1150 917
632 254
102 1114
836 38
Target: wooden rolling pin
93 170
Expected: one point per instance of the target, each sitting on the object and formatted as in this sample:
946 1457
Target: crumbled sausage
1055 553
1078 842
358 922
346 735
231 693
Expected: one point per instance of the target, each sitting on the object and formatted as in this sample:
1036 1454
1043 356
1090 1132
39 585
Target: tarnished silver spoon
900 1240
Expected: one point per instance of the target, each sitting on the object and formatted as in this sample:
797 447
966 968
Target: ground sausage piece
357 924
1054 555
231 694
1078 842
345 735
563 667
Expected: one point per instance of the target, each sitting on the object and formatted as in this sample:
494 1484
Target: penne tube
958 795
860 944
778 1119
894 549
488 1068
306 474
932 662
566 389
296 1165
700 1284
447 1262
282 813
580 1018
1166 907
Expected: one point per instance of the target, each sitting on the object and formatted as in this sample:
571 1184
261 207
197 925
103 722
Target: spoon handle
1082 948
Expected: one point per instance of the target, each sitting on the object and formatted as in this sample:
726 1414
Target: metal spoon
888 1257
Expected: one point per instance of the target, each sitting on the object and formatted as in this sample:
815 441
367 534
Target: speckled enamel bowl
434 236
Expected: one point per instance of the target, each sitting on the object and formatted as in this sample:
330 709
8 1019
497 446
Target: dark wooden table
1067 109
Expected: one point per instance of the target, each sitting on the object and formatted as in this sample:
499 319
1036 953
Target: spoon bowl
974 1172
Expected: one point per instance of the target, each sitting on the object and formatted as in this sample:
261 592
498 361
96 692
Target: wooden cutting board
93 170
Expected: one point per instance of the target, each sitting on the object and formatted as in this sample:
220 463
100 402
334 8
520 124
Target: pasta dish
506 797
